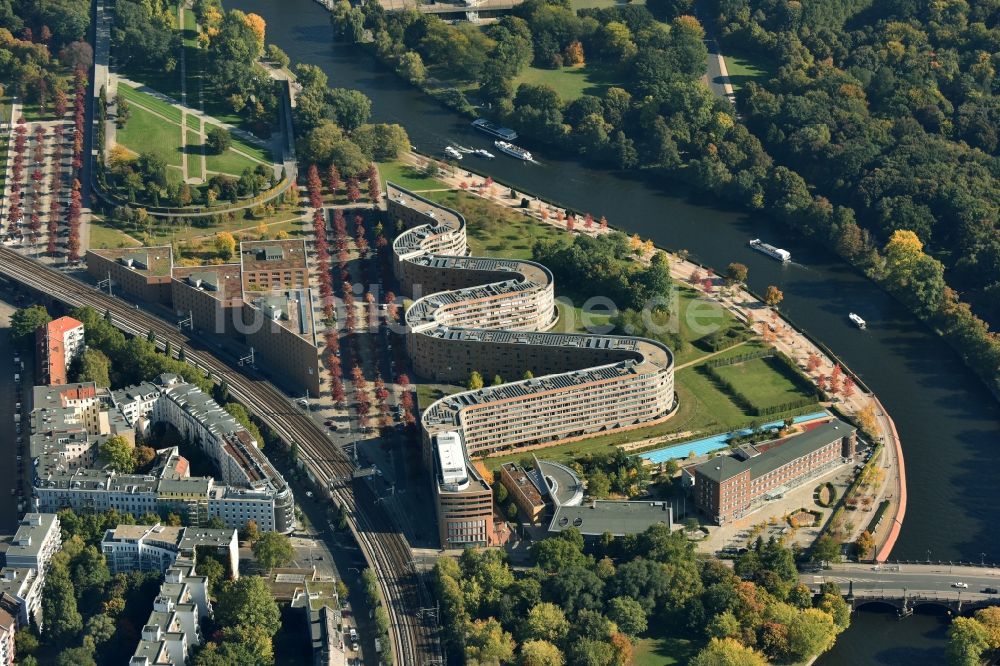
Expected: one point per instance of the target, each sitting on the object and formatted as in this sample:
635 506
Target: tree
826 549
774 296
251 532
865 545
990 619
668 10
273 549
92 366
475 381
76 656
218 140
546 622
727 652
628 614
810 632
100 628
24 323
62 619
277 56
25 642
248 602
116 453
967 640
225 245
540 653
736 273
351 108
487 642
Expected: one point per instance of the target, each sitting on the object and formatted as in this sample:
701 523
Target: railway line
384 548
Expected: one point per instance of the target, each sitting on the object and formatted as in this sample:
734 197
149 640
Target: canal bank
947 419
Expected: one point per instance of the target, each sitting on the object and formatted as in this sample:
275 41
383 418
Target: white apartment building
157 547
173 626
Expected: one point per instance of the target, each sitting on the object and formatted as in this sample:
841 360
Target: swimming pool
707 445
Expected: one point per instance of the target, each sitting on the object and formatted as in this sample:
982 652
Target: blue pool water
705 446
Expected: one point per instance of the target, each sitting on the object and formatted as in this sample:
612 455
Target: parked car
990 590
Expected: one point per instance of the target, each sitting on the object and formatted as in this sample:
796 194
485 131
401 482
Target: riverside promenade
773 326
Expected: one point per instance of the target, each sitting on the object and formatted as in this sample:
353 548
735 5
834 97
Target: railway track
385 550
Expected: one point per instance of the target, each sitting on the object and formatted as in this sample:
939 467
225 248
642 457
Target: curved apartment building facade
492 315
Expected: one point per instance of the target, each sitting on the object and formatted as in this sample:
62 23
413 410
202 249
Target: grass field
193 147
744 68
569 82
229 162
193 122
137 97
407 176
103 235
145 132
762 381
663 651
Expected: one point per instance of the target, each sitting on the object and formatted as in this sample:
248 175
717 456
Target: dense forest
877 140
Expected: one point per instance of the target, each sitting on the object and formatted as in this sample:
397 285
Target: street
12 392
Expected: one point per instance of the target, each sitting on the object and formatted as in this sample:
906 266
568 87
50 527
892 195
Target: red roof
63 325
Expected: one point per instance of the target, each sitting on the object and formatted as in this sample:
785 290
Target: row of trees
588 605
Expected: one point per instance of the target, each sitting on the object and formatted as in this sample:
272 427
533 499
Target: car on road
990 590
960 585
309 493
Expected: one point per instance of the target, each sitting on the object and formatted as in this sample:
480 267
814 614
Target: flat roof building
37 539
157 547
729 487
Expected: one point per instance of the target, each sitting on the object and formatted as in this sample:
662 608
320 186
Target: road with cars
13 435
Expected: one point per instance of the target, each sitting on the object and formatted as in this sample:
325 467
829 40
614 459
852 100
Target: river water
948 422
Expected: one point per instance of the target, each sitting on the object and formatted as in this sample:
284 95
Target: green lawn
663 651
145 132
746 68
229 162
407 176
570 82
572 319
430 393
761 380
193 149
193 122
103 235
136 97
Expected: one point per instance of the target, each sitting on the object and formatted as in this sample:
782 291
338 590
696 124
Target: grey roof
557 481
30 535
726 467
618 518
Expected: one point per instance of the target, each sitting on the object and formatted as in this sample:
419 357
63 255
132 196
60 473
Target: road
387 552
718 76
11 393
914 578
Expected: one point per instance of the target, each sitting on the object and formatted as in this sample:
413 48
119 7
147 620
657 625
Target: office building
156 547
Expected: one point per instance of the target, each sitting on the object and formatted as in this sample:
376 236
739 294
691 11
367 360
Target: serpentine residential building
492 315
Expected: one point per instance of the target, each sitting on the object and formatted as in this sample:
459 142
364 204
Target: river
948 422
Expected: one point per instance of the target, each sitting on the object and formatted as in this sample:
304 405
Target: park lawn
761 381
144 133
193 147
229 162
103 235
175 175
296 228
744 69
193 122
663 651
408 177
570 82
571 320
427 394
136 97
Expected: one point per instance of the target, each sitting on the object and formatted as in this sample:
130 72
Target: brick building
729 487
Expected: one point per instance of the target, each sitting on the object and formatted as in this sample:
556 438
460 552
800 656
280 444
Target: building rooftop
147 261
62 325
272 255
222 282
289 308
618 518
30 536
558 481
722 468
525 483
